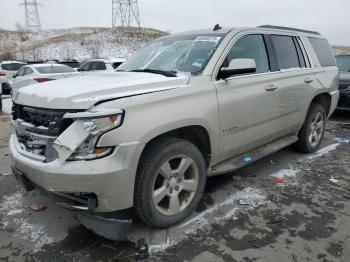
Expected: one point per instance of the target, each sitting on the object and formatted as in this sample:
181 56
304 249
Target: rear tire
0 103
170 182
312 132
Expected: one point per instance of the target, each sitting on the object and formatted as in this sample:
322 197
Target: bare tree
7 55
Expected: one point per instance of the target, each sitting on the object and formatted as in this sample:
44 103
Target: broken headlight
95 124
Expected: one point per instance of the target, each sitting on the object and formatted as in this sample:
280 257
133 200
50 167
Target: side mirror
14 76
238 66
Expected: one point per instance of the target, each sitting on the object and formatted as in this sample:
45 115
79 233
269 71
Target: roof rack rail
289 28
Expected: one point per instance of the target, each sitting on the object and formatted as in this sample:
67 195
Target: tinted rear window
286 53
54 69
12 67
323 51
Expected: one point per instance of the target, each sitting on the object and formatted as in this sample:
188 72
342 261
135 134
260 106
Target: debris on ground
142 253
342 140
281 182
38 207
6 174
332 179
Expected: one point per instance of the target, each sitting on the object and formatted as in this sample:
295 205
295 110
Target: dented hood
82 92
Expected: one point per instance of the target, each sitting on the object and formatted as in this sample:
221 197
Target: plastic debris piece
6 174
332 179
244 202
142 253
248 159
342 140
272 162
38 207
280 181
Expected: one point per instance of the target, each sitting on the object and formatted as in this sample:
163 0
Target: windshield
343 63
52 69
187 54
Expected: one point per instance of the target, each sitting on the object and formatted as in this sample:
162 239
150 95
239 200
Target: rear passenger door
292 81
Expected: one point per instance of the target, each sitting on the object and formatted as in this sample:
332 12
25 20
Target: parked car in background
101 65
7 70
73 63
143 140
343 61
39 73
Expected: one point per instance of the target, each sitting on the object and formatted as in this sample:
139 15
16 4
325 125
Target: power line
125 13
32 19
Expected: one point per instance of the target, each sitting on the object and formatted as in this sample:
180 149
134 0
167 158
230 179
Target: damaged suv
142 140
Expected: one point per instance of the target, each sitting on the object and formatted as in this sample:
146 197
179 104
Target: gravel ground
244 215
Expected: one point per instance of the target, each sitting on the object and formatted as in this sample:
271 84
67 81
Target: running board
252 156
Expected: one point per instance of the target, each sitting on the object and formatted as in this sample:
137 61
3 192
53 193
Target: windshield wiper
159 72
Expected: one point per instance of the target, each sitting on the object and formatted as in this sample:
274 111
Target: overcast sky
331 18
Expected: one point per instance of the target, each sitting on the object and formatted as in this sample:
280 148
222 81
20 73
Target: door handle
308 80
271 87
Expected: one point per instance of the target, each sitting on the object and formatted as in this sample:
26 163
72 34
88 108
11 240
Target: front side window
21 72
28 71
186 54
343 62
85 66
251 47
323 51
286 52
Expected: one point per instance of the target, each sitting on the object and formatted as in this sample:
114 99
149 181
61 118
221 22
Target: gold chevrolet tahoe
142 140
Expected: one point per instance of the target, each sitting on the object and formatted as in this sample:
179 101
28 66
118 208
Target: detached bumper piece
113 226
113 229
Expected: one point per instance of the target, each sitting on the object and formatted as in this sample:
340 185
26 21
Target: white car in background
39 73
101 65
7 70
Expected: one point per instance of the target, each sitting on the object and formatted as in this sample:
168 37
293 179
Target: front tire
169 183
312 132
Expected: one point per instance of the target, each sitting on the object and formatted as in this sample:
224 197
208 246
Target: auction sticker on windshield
214 39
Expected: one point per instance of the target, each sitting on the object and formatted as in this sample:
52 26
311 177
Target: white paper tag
213 39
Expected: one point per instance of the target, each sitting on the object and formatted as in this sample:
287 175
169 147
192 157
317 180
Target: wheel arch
324 99
196 134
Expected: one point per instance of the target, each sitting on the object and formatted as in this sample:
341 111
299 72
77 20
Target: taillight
42 79
2 74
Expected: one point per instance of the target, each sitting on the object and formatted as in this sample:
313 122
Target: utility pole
125 13
32 19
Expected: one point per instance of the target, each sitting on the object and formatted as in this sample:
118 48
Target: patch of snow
253 196
24 228
324 151
160 247
32 232
15 212
290 172
7 105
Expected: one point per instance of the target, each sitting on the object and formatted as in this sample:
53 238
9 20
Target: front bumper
111 178
114 226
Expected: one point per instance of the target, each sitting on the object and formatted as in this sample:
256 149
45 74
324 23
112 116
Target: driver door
248 107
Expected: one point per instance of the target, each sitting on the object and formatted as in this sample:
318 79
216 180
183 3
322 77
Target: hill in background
81 43
75 43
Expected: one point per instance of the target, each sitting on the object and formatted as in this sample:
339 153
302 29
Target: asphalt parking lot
244 216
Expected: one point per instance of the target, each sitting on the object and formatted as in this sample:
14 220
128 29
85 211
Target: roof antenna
217 27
